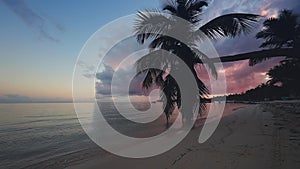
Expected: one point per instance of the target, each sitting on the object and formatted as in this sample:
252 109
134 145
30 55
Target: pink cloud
240 77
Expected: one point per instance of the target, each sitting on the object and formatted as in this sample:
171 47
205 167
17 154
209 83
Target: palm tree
282 38
285 74
160 26
280 33
283 33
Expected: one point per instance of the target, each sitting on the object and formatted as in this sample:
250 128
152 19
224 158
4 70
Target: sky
41 40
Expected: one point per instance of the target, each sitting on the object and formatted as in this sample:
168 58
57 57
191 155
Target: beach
258 136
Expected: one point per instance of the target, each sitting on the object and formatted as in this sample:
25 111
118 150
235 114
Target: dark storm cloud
33 19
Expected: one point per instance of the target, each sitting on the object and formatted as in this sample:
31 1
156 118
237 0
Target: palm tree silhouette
286 75
282 39
279 33
283 31
161 26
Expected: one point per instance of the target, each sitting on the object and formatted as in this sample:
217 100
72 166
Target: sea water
49 135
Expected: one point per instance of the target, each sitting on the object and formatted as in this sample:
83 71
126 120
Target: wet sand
259 136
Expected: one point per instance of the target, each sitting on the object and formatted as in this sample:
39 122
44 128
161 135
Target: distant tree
262 92
286 75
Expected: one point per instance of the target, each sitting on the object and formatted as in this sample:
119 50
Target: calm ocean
33 133
49 135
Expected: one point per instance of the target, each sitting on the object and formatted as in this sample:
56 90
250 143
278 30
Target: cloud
88 70
34 20
121 77
239 76
245 43
112 65
106 75
15 98
242 44
122 50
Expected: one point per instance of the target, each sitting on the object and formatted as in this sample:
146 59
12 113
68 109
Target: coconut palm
155 26
285 74
280 33
283 33
282 38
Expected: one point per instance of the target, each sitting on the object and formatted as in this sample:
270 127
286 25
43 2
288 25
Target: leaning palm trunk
258 56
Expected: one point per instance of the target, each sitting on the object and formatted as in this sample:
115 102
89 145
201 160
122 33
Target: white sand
250 138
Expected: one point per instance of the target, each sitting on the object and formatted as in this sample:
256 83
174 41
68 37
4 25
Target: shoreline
87 149
251 137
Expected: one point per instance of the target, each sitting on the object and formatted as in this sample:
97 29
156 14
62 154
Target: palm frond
170 8
170 95
148 80
151 24
153 76
155 59
158 42
230 25
202 89
255 60
194 9
202 107
169 5
206 60
280 32
196 5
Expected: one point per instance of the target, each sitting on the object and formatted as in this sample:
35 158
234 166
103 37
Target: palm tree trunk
283 52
